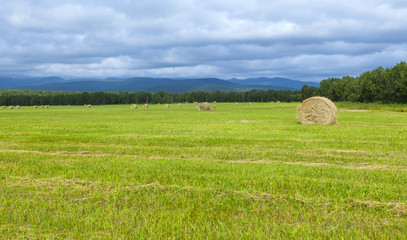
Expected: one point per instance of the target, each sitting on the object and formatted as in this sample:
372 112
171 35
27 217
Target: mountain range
151 84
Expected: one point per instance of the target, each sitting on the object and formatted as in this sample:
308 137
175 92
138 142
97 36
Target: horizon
225 40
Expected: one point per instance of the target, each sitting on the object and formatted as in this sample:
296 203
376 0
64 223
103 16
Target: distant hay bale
3 107
88 106
42 106
145 105
317 110
278 101
271 102
166 105
213 106
46 106
186 102
214 102
236 103
179 104
203 106
18 107
69 105
195 103
11 107
134 106
35 106
249 104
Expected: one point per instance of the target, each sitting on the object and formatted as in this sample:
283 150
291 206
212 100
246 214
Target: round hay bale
11 107
213 106
317 110
236 103
203 106
145 105
35 106
88 106
249 104
179 104
166 105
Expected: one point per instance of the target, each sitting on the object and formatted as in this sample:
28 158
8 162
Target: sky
298 39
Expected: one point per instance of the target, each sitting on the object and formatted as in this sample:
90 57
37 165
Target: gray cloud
306 40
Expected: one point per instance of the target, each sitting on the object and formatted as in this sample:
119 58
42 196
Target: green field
236 172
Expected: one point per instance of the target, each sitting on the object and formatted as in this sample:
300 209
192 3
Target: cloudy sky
298 39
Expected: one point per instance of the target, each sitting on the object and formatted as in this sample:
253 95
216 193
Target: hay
236 103
134 106
249 104
166 105
145 105
3 107
18 107
11 107
213 106
317 110
179 104
35 106
203 106
88 105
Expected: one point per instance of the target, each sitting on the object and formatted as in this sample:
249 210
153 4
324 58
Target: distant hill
151 84
277 83
12 82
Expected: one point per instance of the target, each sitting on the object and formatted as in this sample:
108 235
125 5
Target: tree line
30 98
379 85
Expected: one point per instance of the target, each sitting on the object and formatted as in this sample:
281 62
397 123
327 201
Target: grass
236 172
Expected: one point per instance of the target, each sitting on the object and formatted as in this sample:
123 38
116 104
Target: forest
379 85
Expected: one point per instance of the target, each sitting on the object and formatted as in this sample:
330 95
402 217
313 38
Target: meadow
235 172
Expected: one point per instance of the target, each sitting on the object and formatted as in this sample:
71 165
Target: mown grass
236 172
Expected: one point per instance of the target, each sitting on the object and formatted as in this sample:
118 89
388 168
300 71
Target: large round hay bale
317 110
203 106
